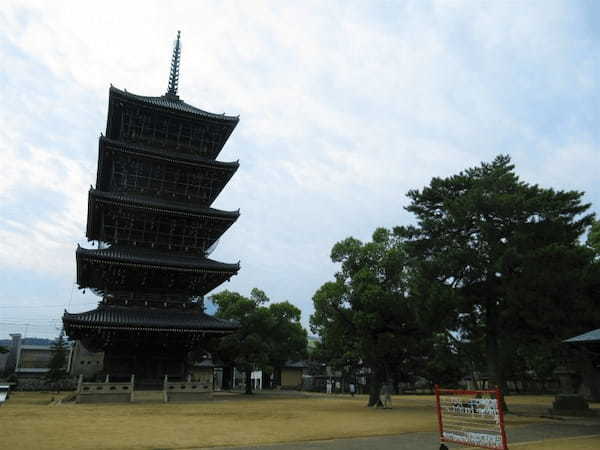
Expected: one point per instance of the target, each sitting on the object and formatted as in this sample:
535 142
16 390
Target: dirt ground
39 421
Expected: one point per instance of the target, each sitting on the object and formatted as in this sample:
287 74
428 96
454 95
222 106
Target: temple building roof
154 223
585 338
173 102
173 156
295 365
171 176
157 204
120 268
149 258
128 318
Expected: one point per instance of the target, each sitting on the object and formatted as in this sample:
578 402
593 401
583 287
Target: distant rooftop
28 341
589 337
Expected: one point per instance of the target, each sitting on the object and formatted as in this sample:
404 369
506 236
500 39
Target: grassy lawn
29 421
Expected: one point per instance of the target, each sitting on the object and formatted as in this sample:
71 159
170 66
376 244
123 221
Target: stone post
15 345
568 402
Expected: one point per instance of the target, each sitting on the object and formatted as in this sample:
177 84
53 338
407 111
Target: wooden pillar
165 389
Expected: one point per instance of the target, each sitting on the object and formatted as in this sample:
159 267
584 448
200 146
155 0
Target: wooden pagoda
150 214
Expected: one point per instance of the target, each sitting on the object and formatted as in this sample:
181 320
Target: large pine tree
506 253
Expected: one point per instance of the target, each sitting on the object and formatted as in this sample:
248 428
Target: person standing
385 396
352 389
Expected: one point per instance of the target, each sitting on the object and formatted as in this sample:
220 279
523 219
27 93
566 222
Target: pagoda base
147 342
149 364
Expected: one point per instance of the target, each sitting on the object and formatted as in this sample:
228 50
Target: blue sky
344 107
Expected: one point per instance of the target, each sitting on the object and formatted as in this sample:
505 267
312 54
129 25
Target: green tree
268 335
366 315
58 361
504 252
444 364
287 339
593 239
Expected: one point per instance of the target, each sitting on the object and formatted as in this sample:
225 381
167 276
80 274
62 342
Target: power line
23 324
35 324
71 298
47 306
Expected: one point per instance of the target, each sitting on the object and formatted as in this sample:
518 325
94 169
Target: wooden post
79 383
132 387
499 402
165 394
439 413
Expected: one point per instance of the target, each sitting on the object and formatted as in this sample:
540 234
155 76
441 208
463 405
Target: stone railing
4 393
105 391
182 391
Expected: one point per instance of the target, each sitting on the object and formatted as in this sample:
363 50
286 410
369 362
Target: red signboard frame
476 394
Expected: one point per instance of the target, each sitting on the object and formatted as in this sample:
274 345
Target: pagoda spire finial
174 76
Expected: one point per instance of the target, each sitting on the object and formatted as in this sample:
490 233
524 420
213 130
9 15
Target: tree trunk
396 382
248 382
227 378
266 380
494 364
375 382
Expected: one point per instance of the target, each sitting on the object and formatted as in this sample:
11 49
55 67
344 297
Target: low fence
527 386
187 391
40 383
105 391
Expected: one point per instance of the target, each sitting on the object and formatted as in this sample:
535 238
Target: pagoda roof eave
156 204
143 258
144 319
173 156
172 102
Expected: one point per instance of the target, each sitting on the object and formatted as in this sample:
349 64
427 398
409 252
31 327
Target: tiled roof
138 256
171 155
295 365
590 336
206 363
114 317
159 204
173 102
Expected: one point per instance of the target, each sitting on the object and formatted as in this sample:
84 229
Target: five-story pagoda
150 215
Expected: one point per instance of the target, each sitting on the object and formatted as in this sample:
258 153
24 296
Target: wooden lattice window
167 181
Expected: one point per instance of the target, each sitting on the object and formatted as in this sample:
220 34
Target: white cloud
44 241
344 108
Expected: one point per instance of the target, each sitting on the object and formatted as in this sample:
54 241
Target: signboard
471 418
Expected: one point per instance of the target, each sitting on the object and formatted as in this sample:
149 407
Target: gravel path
423 441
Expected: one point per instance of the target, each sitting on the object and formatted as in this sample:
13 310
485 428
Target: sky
344 106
